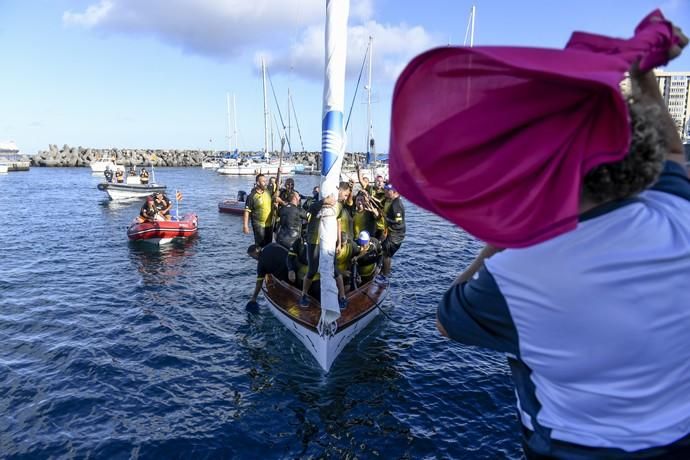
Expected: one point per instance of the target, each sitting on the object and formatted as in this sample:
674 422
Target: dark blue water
111 350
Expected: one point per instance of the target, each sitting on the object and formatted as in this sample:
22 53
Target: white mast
470 27
333 151
370 126
266 114
234 122
289 131
227 98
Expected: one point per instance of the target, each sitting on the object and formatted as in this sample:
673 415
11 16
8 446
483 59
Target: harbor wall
83 156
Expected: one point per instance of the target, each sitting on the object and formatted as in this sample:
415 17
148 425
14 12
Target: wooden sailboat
322 327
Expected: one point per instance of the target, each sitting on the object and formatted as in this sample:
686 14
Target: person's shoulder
673 180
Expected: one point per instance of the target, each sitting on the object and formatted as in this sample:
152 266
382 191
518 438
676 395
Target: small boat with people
235 206
305 323
130 191
158 224
164 231
121 185
325 322
105 161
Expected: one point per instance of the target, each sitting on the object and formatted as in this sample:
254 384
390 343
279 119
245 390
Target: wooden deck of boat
286 298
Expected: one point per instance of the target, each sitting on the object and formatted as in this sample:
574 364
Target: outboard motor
241 195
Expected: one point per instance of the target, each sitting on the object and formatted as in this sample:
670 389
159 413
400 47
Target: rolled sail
333 150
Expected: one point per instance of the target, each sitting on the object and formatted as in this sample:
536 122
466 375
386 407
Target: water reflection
161 264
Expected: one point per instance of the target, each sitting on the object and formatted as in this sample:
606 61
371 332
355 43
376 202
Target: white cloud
292 30
206 27
94 15
394 46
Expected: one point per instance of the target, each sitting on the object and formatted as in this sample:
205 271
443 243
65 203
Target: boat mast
227 98
289 131
234 122
333 151
470 27
370 126
266 115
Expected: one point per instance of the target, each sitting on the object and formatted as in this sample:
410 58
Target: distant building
675 87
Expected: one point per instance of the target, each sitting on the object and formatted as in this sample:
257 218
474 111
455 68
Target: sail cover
333 150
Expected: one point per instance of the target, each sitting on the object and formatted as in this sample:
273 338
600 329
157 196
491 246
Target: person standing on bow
259 206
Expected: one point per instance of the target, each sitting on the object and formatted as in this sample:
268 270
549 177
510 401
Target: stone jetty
83 156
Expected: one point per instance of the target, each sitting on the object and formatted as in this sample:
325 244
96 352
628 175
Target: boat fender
102 187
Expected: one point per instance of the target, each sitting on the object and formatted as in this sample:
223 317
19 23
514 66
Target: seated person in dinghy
149 212
163 205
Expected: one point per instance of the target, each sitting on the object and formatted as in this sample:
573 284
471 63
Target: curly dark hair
641 166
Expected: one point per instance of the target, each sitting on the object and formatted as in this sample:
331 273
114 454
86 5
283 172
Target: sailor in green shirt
259 205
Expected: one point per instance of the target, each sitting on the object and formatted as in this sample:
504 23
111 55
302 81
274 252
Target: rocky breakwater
80 156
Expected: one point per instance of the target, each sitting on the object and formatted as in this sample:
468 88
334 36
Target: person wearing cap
367 257
593 317
394 216
108 173
163 205
285 193
148 212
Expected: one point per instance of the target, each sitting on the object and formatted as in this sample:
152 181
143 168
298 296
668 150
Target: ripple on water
114 350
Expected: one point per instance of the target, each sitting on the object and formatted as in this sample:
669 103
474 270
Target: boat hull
231 207
362 308
162 232
124 191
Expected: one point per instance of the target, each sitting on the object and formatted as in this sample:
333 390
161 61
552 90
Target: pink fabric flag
498 139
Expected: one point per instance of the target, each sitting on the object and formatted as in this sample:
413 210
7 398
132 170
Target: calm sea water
111 350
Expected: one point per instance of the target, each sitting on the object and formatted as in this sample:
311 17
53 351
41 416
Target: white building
675 87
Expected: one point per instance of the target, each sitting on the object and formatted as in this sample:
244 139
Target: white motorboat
128 191
99 165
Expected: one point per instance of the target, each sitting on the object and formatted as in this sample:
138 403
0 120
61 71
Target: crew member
259 206
144 176
292 217
148 212
394 215
272 260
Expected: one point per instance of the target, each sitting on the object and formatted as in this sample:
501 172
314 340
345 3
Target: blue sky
154 73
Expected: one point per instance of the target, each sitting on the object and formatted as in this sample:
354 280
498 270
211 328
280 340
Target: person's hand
245 229
676 50
291 276
337 249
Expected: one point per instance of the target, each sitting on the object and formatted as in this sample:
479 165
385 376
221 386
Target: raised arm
646 90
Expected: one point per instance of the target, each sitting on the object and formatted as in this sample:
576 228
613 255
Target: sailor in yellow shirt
259 205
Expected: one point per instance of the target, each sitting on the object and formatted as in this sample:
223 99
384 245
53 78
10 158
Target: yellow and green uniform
363 220
345 220
260 207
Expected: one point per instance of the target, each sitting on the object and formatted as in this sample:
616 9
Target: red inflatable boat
165 231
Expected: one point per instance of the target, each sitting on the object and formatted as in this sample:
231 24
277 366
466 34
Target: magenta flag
498 139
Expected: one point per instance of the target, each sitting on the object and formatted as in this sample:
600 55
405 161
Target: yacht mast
266 115
234 122
370 127
227 98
